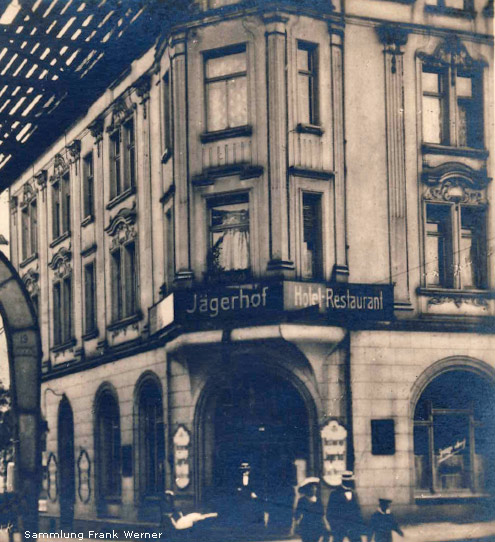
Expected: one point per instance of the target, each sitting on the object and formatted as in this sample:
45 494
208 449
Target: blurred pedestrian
308 517
344 513
383 522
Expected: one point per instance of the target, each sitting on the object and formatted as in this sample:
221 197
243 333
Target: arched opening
150 447
66 481
107 453
255 422
454 431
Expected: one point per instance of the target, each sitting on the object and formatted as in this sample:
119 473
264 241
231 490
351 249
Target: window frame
312 75
168 131
125 284
63 316
61 206
88 186
218 53
450 116
123 159
90 299
317 272
452 278
215 275
29 229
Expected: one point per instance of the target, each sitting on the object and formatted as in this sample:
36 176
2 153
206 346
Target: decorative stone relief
41 178
60 167
84 477
31 282
61 262
74 149
121 227
458 301
122 109
28 194
52 486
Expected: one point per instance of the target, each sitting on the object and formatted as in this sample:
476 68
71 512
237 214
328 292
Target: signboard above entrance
334 300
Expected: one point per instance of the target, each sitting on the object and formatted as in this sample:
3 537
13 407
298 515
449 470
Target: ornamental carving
13 204
96 129
121 226
142 87
452 52
74 149
454 190
41 177
31 282
60 167
28 194
458 301
122 109
61 262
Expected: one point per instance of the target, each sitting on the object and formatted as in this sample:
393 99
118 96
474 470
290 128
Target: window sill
239 131
64 346
121 197
124 322
310 129
451 12
28 260
60 238
245 171
88 220
311 173
433 148
445 498
166 155
92 334
452 292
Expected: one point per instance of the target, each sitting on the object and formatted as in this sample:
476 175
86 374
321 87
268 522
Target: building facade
271 242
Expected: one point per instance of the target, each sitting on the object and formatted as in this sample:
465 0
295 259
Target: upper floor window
61 210
229 236
124 281
123 158
307 70
29 229
455 246
452 97
226 88
62 310
89 298
88 186
450 6
312 257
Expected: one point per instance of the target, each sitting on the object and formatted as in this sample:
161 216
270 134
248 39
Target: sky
4 230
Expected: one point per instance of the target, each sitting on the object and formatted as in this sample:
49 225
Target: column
340 270
276 43
392 38
183 272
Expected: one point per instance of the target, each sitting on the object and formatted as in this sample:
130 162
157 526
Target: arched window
454 428
151 446
107 450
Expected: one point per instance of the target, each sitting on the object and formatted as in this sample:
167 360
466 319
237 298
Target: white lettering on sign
327 298
206 304
449 451
334 440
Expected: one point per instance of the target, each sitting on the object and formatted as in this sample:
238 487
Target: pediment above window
471 178
60 167
452 51
61 262
125 217
122 109
28 194
31 282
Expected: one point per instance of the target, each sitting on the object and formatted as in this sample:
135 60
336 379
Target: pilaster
183 272
276 55
340 271
393 38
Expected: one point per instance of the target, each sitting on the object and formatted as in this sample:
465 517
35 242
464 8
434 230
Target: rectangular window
89 297
61 210
29 219
62 311
123 159
167 114
452 107
56 210
226 88
116 187
130 155
312 260
66 209
169 236
229 236
124 281
455 246
435 106
307 69
88 186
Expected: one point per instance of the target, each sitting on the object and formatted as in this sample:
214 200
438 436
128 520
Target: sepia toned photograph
247 270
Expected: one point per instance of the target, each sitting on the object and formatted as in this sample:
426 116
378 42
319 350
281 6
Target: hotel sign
334 300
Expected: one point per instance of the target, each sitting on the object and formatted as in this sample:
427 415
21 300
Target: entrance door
260 429
66 464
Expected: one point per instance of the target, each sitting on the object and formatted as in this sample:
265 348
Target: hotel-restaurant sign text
334 300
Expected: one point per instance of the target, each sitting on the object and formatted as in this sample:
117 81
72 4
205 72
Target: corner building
271 241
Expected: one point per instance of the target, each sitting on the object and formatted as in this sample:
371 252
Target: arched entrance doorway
454 431
66 481
24 349
256 427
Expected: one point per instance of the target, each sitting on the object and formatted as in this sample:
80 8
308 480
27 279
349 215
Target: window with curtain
229 236
226 88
